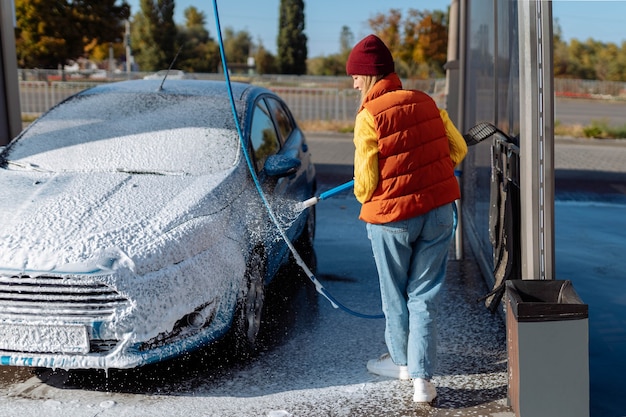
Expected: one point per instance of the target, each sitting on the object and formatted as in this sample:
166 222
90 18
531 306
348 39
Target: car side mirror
281 165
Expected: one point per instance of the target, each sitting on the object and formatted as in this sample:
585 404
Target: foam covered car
132 229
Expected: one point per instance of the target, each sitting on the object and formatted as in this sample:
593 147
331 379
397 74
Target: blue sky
600 20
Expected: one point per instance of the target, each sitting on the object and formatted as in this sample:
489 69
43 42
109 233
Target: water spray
318 286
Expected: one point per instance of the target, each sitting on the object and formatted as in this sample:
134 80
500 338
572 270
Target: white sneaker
384 366
425 391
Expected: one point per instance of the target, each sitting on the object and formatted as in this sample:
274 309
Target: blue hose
320 289
336 190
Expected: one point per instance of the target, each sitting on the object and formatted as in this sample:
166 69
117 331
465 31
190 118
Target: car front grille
55 298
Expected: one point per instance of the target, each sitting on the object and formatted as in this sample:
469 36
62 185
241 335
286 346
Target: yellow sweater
366 152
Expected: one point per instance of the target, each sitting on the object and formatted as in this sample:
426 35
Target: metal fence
310 98
307 104
36 97
565 87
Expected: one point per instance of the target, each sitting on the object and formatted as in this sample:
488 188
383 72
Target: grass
598 129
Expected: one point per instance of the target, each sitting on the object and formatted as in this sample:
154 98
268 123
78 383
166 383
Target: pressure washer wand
323 196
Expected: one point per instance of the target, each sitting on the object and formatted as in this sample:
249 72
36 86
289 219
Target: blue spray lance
323 196
318 286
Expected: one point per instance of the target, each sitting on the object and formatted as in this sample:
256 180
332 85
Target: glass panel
283 121
492 95
263 135
507 68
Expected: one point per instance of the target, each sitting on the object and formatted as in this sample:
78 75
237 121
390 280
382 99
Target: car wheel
250 308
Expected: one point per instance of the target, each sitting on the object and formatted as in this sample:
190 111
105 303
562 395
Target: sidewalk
594 155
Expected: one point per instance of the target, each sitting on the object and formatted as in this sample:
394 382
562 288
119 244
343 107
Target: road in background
577 111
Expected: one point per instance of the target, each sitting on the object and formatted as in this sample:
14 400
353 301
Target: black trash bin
548 349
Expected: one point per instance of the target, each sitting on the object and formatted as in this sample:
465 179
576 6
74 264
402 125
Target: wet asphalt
586 170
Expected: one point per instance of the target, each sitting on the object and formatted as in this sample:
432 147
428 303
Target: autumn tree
418 43
153 35
429 45
559 51
388 28
611 62
52 32
292 42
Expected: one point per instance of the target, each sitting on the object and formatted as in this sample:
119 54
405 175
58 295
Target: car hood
85 222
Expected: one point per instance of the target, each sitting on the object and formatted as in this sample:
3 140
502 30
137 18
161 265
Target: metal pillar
10 112
454 103
536 139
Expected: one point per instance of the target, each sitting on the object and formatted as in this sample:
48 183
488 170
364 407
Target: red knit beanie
370 57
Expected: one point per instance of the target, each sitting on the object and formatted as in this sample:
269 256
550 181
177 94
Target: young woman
405 153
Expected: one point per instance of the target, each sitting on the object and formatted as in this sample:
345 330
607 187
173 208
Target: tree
419 43
52 32
559 51
431 47
582 60
607 64
387 28
199 53
237 46
265 62
346 41
334 64
153 35
292 42
591 60
194 17
328 65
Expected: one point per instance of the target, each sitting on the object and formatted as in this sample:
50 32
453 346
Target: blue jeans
411 257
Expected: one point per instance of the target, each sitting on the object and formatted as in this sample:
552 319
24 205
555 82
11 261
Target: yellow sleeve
458 146
365 156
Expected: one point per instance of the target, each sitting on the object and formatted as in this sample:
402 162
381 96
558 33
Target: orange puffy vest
416 172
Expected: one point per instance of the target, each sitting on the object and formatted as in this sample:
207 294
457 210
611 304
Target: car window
283 121
263 134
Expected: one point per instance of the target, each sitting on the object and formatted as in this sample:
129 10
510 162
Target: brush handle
336 190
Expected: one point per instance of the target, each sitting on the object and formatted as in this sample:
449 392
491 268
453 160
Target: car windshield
152 133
